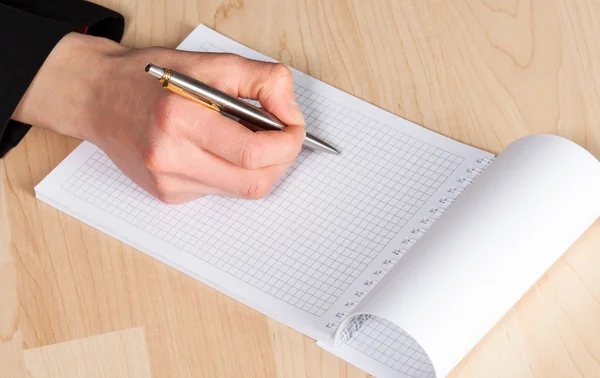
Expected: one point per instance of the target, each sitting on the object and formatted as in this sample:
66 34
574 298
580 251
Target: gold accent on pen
182 92
249 115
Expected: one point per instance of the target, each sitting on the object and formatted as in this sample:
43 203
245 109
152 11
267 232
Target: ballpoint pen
220 101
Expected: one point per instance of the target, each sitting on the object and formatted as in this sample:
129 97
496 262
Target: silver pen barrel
233 106
227 103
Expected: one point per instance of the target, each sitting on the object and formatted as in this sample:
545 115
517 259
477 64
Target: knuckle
152 159
169 200
163 189
281 71
250 155
158 183
173 200
257 188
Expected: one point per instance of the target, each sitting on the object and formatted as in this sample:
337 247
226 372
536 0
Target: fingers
205 173
272 84
237 144
193 151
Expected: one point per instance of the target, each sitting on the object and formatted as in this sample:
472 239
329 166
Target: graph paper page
315 246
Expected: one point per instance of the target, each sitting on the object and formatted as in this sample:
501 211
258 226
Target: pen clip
207 103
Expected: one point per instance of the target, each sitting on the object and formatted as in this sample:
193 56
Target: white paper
519 216
384 350
302 254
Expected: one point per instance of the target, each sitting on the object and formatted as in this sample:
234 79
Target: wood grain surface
482 72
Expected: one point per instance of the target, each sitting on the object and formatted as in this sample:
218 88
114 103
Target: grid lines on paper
391 346
319 228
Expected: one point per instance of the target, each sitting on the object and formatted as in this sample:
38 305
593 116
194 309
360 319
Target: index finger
272 84
234 142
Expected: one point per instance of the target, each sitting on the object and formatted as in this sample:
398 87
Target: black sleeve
29 30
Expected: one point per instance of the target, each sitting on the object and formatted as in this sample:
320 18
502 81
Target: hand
177 150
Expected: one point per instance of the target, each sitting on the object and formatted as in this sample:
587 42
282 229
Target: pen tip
321 145
329 148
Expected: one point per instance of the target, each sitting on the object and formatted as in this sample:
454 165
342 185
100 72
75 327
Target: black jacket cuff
29 31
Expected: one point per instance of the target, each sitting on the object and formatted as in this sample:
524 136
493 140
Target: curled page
486 251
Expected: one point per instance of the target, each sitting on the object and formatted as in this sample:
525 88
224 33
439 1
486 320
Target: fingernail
296 112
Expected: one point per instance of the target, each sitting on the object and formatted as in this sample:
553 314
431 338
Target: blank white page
533 202
313 248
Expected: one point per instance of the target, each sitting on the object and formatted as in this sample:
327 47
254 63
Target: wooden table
73 300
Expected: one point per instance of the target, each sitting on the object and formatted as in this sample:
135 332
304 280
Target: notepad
398 255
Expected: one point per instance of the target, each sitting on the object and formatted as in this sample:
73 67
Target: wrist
61 95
